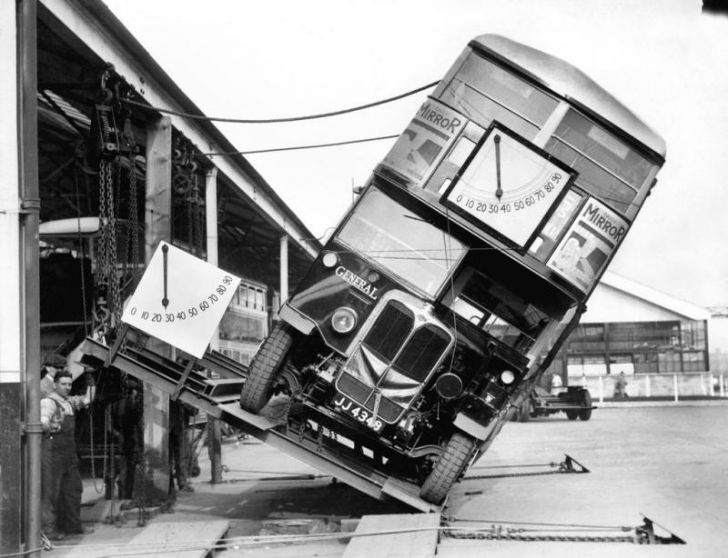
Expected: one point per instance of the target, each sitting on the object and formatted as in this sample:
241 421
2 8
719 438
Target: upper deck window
382 230
607 167
485 92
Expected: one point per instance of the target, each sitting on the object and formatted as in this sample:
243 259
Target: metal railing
676 386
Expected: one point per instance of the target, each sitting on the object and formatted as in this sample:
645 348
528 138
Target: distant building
245 323
632 328
719 339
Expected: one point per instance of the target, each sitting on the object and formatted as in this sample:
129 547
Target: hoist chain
197 205
101 310
103 185
115 294
108 304
133 214
190 222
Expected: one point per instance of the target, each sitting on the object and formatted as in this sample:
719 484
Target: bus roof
570 82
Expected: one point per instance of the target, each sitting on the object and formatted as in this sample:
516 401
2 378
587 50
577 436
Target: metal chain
501 534
511 475
190 220
108 311
101 311
564 467
133 214
103 185
114 293
197 205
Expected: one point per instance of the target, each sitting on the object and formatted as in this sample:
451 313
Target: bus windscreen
401 242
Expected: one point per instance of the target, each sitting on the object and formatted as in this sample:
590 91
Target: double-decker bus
466 261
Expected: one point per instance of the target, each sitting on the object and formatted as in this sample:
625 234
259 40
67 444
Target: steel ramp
219 398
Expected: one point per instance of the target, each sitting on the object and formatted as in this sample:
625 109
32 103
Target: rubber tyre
264 368
524 411
572 415
586 401
449 467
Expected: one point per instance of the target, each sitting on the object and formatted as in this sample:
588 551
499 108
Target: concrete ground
667 462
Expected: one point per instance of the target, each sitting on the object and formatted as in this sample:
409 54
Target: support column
157 227
284 268
30 266
19 297
214 433
11 295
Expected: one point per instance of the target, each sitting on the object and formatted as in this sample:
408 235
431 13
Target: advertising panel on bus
427 137
588 244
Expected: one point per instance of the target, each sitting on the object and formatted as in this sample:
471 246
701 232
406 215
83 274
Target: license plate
358 412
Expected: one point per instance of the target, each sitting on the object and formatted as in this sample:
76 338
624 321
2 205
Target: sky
663 59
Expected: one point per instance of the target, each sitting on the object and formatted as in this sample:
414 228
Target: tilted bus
469 257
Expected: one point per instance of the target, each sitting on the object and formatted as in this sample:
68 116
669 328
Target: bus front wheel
448 468
264 368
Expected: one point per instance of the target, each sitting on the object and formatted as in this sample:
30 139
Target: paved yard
668 463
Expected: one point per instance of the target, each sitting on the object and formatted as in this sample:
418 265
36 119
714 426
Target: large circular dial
180 299
509 186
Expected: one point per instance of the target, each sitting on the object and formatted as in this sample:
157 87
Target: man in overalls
61 486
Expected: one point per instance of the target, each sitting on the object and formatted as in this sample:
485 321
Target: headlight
343 320
507 377
329 259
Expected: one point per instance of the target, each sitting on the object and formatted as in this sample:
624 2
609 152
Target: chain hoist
111 143
186 188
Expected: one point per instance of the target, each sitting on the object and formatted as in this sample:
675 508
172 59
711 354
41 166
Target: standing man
620 386
126 417
61 486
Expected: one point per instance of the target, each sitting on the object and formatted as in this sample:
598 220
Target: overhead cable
278 120
274 149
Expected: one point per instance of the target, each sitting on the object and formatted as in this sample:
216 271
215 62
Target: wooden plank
402 536
183 539
157 227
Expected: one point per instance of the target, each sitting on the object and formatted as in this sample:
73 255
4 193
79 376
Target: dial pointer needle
499 190
165 249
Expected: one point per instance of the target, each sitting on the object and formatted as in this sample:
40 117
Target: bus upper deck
526 152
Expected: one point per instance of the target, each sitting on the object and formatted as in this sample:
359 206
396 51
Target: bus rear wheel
524 411
264 368
451 464
586 401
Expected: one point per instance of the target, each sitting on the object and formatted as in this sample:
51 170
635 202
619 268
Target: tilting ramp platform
219 396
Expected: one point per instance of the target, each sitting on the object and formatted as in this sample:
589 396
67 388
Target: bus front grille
364 395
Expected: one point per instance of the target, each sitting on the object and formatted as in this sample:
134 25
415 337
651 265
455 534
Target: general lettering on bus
357 282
